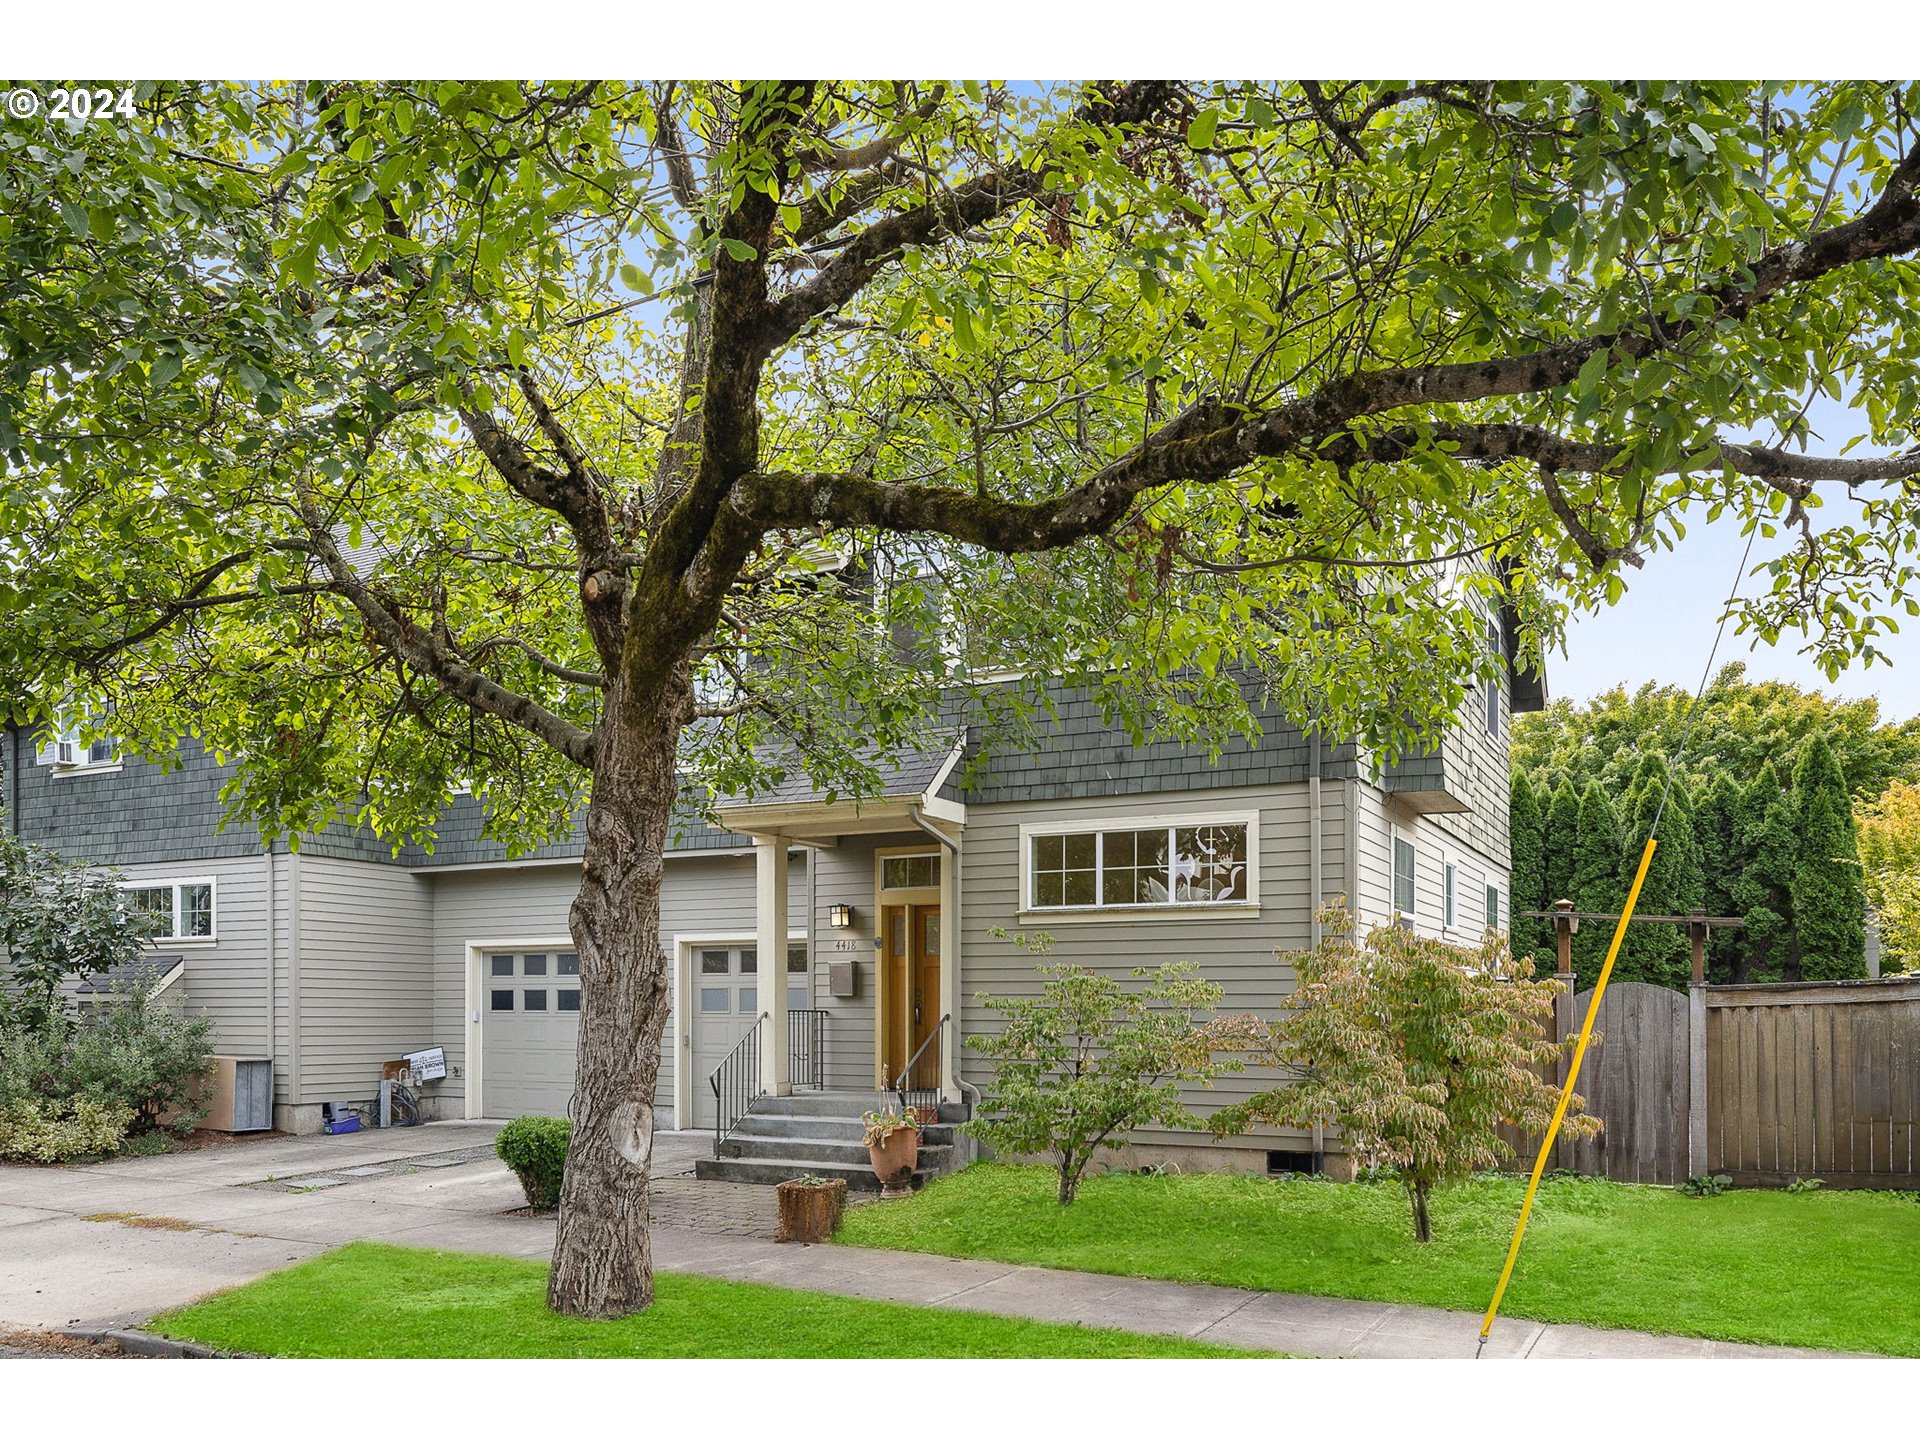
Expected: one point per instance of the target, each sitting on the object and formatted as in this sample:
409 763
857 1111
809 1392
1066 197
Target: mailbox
843 979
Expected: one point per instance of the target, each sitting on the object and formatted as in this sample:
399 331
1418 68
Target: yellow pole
1566 1094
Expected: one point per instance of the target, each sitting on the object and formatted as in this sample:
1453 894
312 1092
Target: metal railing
919 1080
736 1083
807 1049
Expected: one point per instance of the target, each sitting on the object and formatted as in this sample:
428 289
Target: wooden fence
1766 1083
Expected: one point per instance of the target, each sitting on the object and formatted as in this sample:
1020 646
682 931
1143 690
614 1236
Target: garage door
726 1002
530 1030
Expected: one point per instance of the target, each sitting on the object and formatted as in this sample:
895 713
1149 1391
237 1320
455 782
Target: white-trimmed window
1403 886
68 753
184 907
1450 905
1493 907
1179 862
910 872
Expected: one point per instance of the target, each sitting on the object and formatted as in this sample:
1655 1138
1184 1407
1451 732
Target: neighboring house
884 917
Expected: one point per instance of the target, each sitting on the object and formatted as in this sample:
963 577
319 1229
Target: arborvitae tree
1563 823
1596 878
1716 842
1527 827
1764 825
1659 954
1828 895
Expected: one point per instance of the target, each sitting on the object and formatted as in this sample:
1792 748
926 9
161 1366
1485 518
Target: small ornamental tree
1762 892
1829 901
58 921
1090 1058
1418 1050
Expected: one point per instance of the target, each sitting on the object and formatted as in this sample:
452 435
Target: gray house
823 946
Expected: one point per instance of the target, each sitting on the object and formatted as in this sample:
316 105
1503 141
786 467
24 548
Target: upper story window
66 751
184 907
1403 888
1186 861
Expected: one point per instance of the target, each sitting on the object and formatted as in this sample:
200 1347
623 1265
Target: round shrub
534 1147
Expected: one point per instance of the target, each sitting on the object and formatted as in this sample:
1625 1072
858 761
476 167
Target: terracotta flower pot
894 1159
809 1214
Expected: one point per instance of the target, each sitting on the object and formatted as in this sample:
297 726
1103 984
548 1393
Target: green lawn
1831 1269
367 1300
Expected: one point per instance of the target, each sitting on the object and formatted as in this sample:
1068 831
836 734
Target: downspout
1317 877
273 919
969 1150
294 1092
13 810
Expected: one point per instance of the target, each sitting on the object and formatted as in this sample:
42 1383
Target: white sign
429 1064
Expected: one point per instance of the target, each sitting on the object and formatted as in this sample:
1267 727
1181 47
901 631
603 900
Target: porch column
950 970
770 919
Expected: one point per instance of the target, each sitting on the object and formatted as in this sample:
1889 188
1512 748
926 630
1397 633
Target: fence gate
1638 1080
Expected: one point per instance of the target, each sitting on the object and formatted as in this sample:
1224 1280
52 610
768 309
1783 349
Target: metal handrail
736 1083
807 1049
905 1090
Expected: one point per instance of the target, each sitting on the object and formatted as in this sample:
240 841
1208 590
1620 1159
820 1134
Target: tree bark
1422 1221
602 1258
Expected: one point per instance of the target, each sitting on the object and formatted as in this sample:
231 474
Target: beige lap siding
706 893
1238 951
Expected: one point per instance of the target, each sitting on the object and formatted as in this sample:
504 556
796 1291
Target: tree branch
406 642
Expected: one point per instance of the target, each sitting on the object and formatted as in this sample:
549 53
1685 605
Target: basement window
1295 1162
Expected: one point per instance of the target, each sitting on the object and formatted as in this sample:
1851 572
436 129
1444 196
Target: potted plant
809 1209
893 1145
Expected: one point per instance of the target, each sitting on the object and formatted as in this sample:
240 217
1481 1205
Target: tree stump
809 1213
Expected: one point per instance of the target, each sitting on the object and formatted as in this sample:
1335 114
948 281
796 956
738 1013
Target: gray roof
904 775
155 968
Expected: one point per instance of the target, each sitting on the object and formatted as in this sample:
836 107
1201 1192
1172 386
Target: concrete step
843 1104
826 1127
769 1147
744 1171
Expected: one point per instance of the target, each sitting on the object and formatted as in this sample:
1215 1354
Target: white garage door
530 1029
726 1002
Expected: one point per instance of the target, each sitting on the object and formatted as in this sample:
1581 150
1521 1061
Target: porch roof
910 782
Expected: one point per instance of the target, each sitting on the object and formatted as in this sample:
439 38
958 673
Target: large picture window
1199 863
184 908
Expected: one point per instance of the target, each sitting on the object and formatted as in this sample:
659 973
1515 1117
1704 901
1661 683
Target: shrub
132 1053
534 1147
1705 1187
1091 1059
50 1131
59 921
1420 1051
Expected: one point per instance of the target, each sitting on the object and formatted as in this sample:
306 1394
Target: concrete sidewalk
109 1245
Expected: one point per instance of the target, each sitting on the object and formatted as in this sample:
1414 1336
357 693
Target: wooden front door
910 990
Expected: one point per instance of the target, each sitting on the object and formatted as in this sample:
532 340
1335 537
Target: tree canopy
598 437
1740 725
324 400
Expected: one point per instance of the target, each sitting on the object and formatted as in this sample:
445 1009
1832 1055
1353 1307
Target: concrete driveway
103 1245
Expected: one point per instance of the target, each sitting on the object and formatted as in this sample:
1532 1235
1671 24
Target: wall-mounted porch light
840 917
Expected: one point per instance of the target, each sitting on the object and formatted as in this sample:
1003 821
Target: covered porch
871 1016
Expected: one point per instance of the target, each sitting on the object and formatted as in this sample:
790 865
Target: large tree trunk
602 1259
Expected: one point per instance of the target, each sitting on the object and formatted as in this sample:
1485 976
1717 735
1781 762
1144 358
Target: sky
1663 627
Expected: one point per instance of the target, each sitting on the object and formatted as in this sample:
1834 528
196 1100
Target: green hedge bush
49 1131
534 1147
